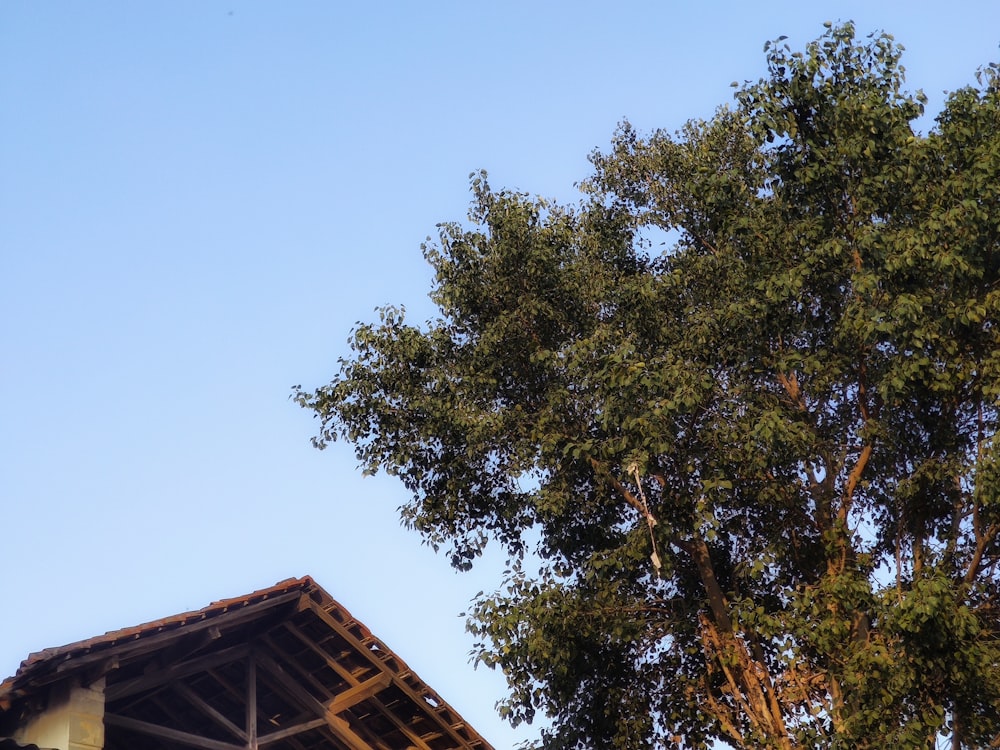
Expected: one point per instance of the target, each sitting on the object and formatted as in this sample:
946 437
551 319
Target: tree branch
982 542
791 385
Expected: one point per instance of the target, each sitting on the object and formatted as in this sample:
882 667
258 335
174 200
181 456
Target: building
284 668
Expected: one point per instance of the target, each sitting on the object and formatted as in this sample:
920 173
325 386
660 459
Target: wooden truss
289 671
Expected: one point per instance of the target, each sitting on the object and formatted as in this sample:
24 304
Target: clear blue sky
198 199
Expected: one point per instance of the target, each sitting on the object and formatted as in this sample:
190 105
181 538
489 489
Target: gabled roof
286 666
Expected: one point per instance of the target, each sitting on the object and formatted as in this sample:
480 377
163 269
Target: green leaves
792 409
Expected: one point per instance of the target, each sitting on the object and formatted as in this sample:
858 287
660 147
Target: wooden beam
294 689
344 733
192 697
251 701
184 649
431 711
299 671
353 696
291 731
286 658
121 690
340 728
237 694
142 644
175 735
332 663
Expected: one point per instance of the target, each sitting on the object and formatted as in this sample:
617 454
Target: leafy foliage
749 484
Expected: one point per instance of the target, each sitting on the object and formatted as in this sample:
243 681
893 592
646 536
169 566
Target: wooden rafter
332 622
340 728
402 726
335 665
362 692
302 696
167 733
196 700
282 734
150 643
115 692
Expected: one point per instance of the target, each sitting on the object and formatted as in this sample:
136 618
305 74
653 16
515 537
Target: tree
748 483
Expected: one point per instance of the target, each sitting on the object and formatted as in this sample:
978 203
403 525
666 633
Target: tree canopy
733 414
